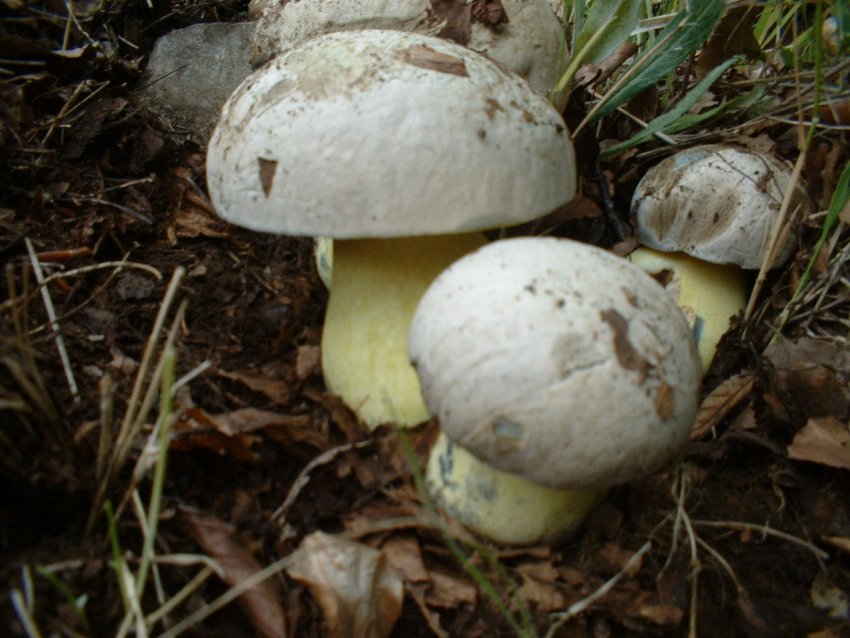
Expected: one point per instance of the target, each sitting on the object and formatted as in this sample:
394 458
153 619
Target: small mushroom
401 147
554 362
712 209
718 203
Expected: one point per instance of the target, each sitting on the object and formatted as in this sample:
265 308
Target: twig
777 234
767 531
24 615
696 568
279 515
107 409
54 324
65 274
187 590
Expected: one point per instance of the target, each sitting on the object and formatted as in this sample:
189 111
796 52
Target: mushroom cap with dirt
402 146
523 35
556 362
704 214
718 203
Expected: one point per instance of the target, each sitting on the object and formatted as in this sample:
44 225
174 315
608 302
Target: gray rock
192 72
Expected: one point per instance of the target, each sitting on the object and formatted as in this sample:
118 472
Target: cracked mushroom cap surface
383 133
524 35
717 202
556 361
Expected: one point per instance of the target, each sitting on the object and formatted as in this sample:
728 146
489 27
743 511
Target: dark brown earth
747 539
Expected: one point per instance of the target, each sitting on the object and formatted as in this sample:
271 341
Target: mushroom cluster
557 370
706 215
402 147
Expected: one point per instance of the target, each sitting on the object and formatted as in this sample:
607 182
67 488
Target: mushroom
551 365
710 295
718 203
523 35
713 208
402 147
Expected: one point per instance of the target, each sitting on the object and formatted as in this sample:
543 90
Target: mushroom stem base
504 508
377 284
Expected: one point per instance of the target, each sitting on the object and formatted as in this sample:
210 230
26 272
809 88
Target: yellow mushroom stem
504 508
377 284
710 295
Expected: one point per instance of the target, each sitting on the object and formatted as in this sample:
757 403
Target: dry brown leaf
425 57
308 361
261 602
277 390
809 377
456 18
824 440
661 614
359 593
722 400
405 556
839 542
267 170
539 586
449 592
489 12
432 618
619 558
732 36
230 433
193 222
197 429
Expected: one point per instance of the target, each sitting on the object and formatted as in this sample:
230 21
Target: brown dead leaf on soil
196 429
405 556
539 586
359 593
808 377
235 433
619 557
262 381
261 602
823 440
308 361
732 36
191 222
449 591
720 402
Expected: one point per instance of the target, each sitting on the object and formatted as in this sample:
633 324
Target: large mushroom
556 370
705 215
401 146
523 35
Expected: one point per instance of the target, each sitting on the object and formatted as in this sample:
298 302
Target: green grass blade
616 19
670 119
76 603
680 38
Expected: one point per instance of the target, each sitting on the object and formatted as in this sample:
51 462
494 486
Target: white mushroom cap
718 203
556 361
383 133
530 43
